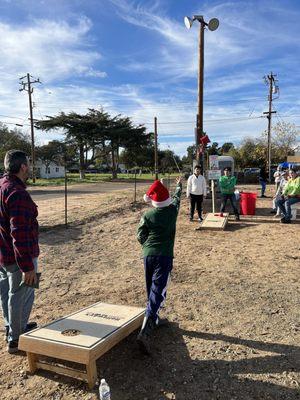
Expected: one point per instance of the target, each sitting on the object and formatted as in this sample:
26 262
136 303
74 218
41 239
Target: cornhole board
81 337
214 222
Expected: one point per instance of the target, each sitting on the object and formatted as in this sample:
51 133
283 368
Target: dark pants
285 203
231 198
157 273
196 200
263 186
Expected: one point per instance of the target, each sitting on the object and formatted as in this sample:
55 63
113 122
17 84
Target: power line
8 116
221 120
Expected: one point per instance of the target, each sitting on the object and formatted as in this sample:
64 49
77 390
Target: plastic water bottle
104 390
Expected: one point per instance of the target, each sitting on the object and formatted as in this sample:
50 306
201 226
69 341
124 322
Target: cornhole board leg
32 359
91 370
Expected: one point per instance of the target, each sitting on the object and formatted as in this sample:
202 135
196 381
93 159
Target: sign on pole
214 162
213 174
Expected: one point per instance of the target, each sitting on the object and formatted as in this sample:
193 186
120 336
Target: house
51 170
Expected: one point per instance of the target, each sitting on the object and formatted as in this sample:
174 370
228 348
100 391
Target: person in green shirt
156 234
290 196
227 185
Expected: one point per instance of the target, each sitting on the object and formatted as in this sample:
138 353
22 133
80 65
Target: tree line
252 152
97 138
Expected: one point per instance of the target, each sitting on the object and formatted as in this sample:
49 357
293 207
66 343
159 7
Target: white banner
213 174
214 162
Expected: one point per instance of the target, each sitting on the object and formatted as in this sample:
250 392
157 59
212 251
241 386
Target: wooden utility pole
66 195
199 157
28 88
155 149
212 26
270 80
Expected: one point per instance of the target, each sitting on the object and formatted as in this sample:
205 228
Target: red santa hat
158 194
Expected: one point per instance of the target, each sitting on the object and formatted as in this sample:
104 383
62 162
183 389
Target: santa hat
158 194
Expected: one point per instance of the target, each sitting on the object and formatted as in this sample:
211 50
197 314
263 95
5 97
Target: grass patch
94 178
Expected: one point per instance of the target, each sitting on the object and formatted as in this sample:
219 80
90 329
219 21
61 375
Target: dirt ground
233 305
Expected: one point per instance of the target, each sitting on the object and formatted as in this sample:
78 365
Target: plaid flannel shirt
18 224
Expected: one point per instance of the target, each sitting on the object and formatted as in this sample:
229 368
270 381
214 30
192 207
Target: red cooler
247 203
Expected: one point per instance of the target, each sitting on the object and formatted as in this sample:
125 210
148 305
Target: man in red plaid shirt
19 247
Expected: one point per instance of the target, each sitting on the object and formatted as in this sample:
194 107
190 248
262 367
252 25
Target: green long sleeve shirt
292 188
227 184
157 228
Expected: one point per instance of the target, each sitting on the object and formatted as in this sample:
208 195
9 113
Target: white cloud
49 49
95 73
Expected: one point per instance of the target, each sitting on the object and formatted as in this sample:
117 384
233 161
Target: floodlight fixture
188 22
213 24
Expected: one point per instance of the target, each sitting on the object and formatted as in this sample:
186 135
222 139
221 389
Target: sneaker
12 347
237 217
273 212
161 322
143 338
285 221
30 326
200 219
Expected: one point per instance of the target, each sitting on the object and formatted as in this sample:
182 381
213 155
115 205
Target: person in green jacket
290 195
227 185
156 234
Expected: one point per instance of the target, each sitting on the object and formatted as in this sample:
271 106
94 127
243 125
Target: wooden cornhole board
81 337
214 222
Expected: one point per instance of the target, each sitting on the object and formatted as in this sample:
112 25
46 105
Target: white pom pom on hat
147 199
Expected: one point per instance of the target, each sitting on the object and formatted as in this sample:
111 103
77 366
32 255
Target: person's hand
179 179
30 277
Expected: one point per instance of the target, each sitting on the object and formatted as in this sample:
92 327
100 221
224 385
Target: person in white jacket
195 191
277 175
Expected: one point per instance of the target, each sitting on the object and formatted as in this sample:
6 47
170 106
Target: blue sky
137 58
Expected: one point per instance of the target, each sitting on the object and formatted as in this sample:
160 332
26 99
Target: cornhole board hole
81 337
213 221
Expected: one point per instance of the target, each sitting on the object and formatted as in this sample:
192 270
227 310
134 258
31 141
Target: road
47 193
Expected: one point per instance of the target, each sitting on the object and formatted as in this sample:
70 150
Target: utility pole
155 149
212 26
26 85
273 88
200 158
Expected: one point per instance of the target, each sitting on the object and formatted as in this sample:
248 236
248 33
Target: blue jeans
284 205
232 199
157 273
263 186
16 301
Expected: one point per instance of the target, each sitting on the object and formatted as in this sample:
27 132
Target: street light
212 25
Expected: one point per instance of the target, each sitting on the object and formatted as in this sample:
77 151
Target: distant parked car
251 171
251 175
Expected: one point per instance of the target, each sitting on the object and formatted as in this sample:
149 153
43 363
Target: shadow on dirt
62 234
171 373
